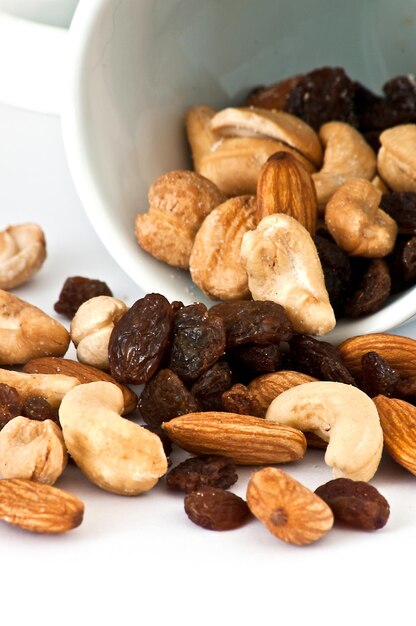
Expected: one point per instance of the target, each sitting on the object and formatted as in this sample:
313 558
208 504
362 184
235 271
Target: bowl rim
96 206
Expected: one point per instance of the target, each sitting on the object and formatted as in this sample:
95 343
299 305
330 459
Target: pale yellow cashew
22 253
341 414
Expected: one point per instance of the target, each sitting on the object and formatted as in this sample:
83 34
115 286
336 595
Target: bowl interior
137 66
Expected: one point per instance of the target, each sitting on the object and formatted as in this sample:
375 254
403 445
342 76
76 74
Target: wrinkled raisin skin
202 471
165 397
11 404
402 264
210 386
319 359
139 340
401 206
355 503
77 290
198 341
337 271
239 399
377 376
373 290
38 408
216 509
253 361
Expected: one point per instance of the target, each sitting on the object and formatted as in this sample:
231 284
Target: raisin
210 386
253 361
77 290
309 354
323 95
239 399
216 509
165 397
373 290
203 471
370 109
253 322
272 96
11 404
38 408
337 271
198 341
355 503
166 442
139 340
400 99
405 389
401 206
377 376
402 263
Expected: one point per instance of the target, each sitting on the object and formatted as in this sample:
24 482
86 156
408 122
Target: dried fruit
403 264
139 339
398 421
165 397
399 351
355 503
319 359
38 508
198 341
216 509
240 400
210 386
288 509
336 266
251 361
11 404
377 376
372 292
272 96
38 408
401 206
202 471
76 290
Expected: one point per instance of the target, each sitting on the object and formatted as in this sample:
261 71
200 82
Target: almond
82 372
284 186
266 388
398 421
399 351
246 439
37 507
288 509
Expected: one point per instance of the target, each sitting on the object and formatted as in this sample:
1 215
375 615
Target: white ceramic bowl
137 66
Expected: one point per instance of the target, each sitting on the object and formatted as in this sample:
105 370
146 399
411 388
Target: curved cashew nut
396 159
91 328
26 332
283 266
52 387
22 253
347 155
356 222
114 453
340 414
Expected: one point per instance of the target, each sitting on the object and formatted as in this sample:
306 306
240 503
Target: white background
140 560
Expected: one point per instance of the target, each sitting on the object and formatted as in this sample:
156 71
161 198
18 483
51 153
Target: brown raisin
377 376
370 109
373 290
11 404
210 386
198 341
400 99
252 361
165 397
239 399
318 359
202 471
253 322
38 408
216 509
337 271
355 503
405 389
272 96
77 290
139 340
323 95
401 206
402 264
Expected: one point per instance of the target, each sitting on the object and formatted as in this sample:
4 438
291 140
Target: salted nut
32 449
22 253
396 159
347 155
91 328
178 203
283 266
356 222
215 259
341 414
52 387
26 332
200 136
114 453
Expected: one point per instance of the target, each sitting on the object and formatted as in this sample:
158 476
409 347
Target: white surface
52 12
136 66
139 560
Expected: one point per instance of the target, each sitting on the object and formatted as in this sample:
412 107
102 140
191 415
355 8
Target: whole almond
288 509
246 439
82 372
266 388
399 351
284 186
398 422
37 507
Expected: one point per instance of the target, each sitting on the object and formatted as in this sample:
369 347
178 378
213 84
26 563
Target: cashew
347 155
91 328
340 414
356 222
283 266
32 449
200 136
114 453
26 332
22 253
396 159
52 387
